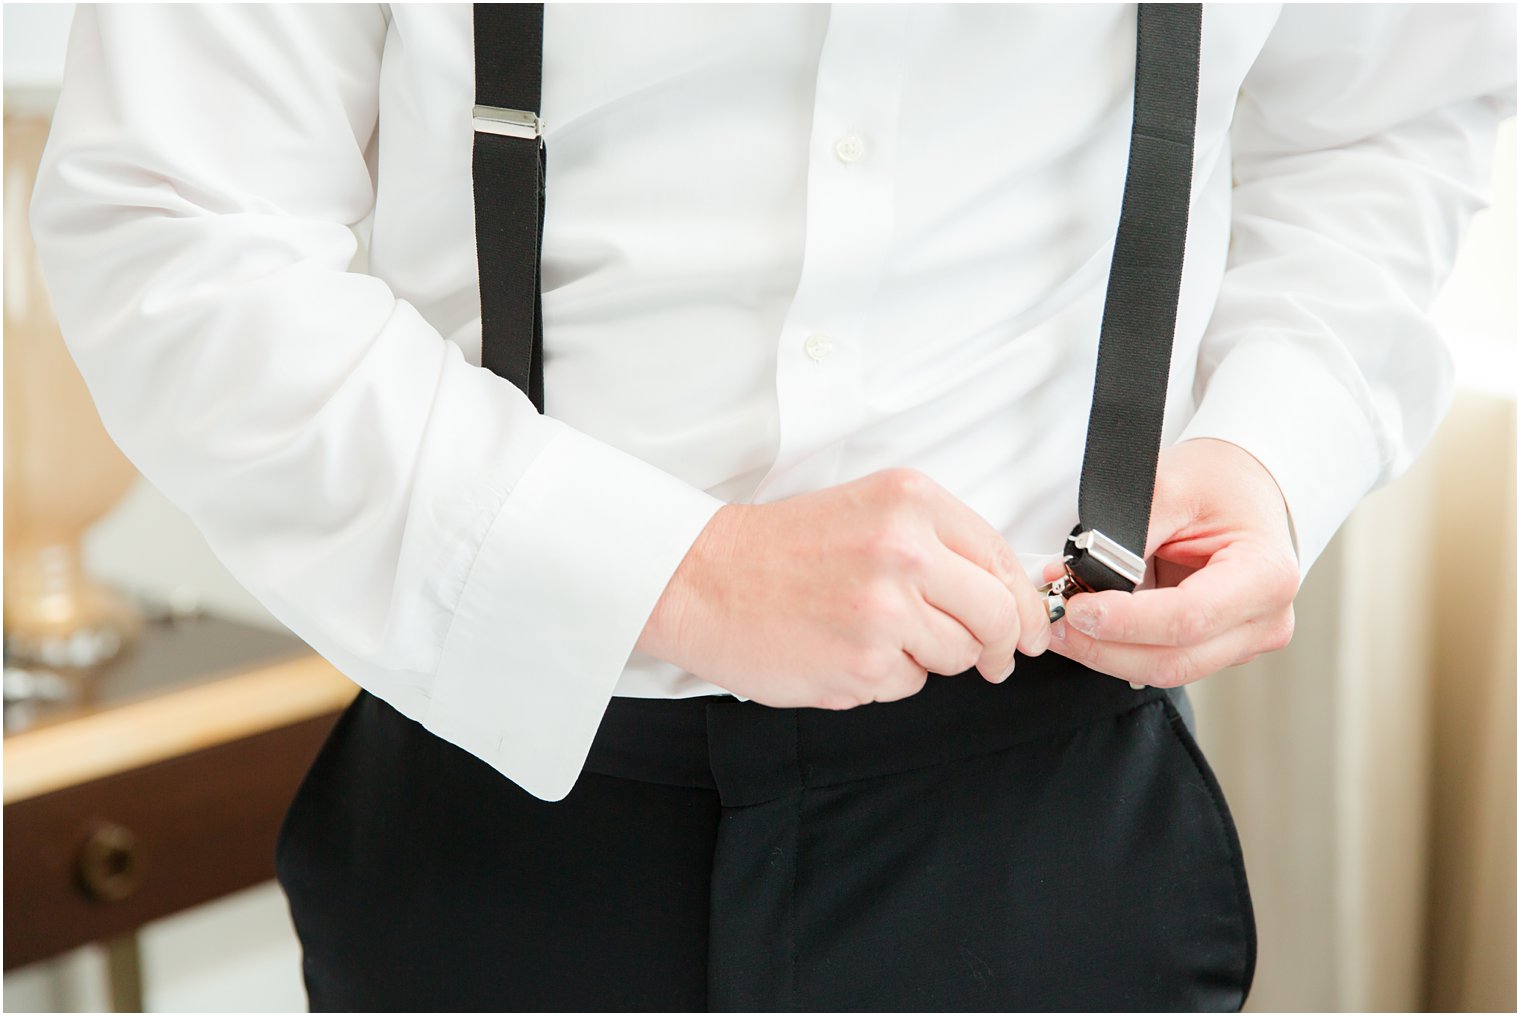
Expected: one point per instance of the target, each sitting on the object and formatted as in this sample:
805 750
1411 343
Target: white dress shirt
785 247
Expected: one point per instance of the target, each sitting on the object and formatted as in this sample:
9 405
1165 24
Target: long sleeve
1362 144
484 569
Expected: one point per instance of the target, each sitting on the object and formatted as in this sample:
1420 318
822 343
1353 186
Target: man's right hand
847 595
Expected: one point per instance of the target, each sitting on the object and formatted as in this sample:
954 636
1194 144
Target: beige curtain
1370 766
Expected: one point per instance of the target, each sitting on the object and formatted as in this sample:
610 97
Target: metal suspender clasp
512 123
1104 550
1054 594
1111 554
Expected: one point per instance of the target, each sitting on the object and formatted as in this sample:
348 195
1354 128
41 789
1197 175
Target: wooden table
161 786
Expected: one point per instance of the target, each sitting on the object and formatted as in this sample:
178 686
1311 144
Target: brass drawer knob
110 864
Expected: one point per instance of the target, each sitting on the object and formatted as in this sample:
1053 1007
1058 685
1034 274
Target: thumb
1171 511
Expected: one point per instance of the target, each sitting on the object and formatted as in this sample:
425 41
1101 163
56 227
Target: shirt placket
852 151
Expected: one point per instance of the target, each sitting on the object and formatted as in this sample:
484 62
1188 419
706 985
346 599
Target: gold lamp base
62 471
57 616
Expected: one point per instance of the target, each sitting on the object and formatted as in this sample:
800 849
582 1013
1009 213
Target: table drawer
96 860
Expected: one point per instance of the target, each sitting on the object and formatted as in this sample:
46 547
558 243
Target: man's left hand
1225 574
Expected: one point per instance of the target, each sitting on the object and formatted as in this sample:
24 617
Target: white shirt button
850 148
818 346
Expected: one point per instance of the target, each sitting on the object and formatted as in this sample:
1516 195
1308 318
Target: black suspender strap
1140 309
1106 549
508 165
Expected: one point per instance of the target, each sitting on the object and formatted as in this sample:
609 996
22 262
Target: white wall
35 35
1476 309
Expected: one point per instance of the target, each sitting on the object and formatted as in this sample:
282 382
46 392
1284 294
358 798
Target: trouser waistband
752 753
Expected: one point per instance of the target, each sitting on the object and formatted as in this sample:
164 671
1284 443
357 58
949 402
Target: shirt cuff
563 584
1280 404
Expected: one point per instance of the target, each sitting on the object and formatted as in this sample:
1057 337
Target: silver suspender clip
1055 598
1055 594
512 123
1108 552
1111 554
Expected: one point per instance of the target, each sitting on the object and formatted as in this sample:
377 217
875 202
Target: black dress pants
1056 842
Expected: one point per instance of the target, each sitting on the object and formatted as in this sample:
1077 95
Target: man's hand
1225 576
847 595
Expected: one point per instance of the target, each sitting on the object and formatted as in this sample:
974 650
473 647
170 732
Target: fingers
1241 583
970 536
966 533
1034 620
1000 619
986 607
904 678
940 644
1168 666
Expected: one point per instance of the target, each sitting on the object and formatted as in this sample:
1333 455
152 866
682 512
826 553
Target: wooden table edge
172 724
